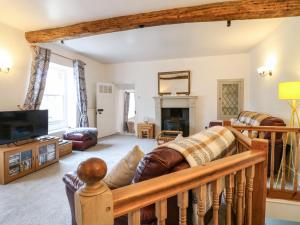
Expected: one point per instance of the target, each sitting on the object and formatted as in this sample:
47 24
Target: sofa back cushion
156 163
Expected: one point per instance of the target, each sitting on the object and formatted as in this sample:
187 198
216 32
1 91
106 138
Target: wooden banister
141 194
96 204
283 182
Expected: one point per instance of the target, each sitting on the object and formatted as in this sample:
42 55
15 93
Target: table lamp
291 91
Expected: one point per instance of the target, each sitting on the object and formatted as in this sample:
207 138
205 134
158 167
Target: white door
105 109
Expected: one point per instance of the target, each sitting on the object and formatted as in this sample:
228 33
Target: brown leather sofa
272 121
156 163
82 138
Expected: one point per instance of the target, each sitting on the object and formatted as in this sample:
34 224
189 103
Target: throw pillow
123 173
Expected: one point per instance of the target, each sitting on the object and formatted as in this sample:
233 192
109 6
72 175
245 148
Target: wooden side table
64 148
145 130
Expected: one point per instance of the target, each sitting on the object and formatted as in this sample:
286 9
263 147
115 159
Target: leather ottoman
82 138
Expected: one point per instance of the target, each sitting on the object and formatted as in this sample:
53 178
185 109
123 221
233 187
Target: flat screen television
21 125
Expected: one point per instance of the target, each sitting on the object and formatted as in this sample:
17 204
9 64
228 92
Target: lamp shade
289 90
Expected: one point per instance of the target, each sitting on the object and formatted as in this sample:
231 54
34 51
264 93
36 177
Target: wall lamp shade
289 90
264 71
5 62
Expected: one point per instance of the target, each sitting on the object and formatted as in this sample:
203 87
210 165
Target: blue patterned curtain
126 110
79 77
39 70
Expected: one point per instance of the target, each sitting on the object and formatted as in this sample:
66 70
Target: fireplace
171 111
175 119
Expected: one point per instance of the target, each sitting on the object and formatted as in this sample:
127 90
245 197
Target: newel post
260 184
93 202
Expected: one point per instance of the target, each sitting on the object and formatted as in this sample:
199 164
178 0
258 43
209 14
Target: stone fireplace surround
176 102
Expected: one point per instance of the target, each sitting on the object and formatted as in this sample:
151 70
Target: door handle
100 111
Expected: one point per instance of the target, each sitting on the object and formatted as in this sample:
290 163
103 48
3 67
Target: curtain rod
62 56
53 53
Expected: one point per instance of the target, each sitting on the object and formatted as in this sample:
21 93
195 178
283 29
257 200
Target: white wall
13 85
283 46
204 74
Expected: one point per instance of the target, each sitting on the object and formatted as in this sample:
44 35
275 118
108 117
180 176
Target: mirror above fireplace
174 83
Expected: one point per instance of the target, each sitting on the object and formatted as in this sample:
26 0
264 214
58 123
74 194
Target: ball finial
92 170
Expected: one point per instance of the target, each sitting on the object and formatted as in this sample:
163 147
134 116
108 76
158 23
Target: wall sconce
264 71
5 62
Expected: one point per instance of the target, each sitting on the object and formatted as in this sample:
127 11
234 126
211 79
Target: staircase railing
284 182
245 177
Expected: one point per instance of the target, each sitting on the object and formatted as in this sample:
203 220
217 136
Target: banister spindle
216 188
201 203
296 163
273 138
283 161
229 193
249 191
260 183
93 201
261 135
134 218
240 196
161 212
250 134
183 203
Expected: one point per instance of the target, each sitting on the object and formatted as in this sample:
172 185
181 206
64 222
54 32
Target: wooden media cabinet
19 161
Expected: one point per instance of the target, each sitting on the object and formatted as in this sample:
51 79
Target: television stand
20 160
19 143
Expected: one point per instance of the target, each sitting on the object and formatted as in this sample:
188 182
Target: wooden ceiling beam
221 11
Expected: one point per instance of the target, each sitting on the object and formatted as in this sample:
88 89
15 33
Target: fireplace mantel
176 102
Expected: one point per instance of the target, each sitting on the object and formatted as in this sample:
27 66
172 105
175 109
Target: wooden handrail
278 129
246 141
141 194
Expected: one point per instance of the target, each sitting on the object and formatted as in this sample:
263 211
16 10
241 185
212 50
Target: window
59 97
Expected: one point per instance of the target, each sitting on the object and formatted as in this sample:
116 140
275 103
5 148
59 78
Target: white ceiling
175 41
163 42
28 15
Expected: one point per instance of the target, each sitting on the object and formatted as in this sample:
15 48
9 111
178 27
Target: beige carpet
39 198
